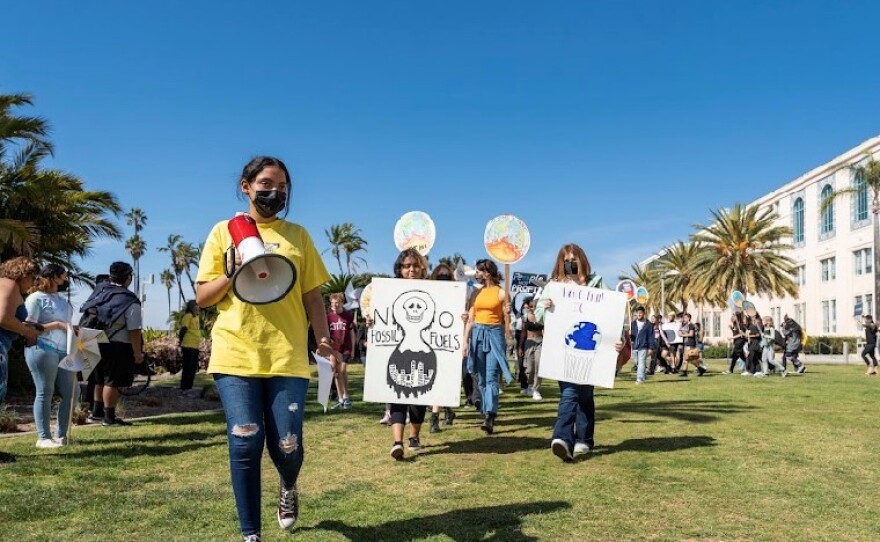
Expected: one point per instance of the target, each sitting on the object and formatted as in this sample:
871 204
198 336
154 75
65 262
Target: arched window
860 211
798 220
827 218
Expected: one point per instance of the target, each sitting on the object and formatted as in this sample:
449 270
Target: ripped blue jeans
258 411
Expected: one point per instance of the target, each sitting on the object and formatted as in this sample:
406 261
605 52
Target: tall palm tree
176 265
167 280
136 246
676 274
337 236
187 255
743 249
866 176
354 243
137 219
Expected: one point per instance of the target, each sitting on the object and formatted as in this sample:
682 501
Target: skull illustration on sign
412 367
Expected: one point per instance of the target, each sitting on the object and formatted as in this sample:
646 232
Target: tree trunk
169 303
182 299
876 253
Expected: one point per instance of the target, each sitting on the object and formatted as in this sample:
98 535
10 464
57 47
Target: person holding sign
576 416
48 308
259 358
486 337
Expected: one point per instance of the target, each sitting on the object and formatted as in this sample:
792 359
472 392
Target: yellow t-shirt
263 340
191 338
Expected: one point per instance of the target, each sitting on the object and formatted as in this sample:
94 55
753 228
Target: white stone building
833 252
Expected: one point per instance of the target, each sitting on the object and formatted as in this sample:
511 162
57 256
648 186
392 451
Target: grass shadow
493 523
695 411
653 445
493 444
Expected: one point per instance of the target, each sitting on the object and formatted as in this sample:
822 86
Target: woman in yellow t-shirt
259 356
189 344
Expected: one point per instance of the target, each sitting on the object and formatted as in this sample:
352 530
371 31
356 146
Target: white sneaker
581 448
525 391
60 440
560 450
288 507
760 375
745 373
500 391
536 395
783 374
48 443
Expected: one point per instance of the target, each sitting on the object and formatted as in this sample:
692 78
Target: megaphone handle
229 260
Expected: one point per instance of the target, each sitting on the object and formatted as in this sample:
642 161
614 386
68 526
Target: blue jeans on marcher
641 359
48 378
487 358
576 418
258 411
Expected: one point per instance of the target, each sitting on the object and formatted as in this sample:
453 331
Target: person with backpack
116 310
738 331
870 344
794 344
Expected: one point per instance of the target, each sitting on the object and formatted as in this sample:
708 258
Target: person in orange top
488 329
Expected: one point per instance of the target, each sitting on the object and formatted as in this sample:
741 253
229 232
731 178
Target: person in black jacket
870 344
641 333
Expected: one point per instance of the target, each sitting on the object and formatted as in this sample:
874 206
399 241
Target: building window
860 216
858 306
704 323
869 304
800 310
863 261
797 226
829 316
716 324
800 275
826 218
829 269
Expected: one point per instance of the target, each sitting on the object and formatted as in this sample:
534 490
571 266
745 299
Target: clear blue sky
616 125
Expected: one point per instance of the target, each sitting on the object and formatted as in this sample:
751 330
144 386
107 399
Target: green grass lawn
714 458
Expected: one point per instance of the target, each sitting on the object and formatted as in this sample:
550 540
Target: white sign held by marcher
325 379
580 333
416 341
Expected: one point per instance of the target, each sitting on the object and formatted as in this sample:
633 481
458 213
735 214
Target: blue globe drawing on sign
583 336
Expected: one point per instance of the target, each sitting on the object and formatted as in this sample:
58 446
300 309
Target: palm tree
337 237
743 249
167 279
676 274
866 179
187 255
136 218
17 129
354 243
136 246
176 265
48 214
451 261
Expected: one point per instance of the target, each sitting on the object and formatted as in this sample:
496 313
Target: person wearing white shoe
47 307
48 443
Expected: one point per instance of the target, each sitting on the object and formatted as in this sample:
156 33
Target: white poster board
579 334
416 341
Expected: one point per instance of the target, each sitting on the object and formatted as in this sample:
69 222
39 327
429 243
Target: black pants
190 368
754 363
737 354
520 363
416 413
867 353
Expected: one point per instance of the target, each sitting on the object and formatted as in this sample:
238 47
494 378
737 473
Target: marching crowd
260 361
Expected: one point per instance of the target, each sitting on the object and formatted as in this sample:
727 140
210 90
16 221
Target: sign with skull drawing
579 334
415 343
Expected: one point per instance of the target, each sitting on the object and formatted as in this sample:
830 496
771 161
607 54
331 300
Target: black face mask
571 268
270 202
64 286
444 277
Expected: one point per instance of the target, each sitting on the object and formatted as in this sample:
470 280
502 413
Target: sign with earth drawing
580 331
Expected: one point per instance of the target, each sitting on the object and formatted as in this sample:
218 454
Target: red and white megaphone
262 277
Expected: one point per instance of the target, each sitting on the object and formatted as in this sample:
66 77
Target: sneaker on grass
560 450
288 507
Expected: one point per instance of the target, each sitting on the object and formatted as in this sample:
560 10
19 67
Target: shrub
829 345
164 352
8 420
717 351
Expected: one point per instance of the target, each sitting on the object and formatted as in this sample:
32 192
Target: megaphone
262 277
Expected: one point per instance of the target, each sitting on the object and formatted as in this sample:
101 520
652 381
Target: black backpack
91 320
779 339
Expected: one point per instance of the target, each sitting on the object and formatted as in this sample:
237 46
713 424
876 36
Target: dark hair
436 272
119 271
640 308
410 253
101 278
258 164
47 273
585 270
490 268
190 305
